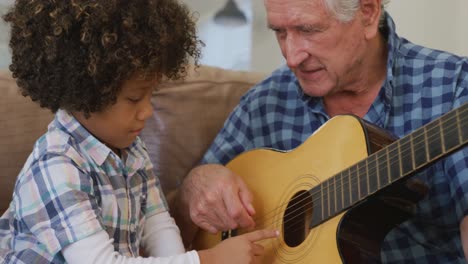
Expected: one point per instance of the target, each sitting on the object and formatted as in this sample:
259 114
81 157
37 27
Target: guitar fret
398 158
323 206
384 177
463 132
372 174
350 187
406 156
363 182
346 198
434 140
451 137
426 144
358 183
388 165
367 176
334 192
395 167
442 141
354 191
420 148
377 171
340 194
413 155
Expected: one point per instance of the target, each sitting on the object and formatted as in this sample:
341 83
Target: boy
86 193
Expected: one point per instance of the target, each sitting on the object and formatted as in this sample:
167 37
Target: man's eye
280 32
309 30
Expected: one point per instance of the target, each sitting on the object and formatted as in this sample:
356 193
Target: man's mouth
310 73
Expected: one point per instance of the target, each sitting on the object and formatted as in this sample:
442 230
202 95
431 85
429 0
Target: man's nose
296 51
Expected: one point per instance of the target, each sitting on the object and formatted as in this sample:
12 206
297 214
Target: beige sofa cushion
21 123
187 116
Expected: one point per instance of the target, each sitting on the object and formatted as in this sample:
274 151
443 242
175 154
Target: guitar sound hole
297 218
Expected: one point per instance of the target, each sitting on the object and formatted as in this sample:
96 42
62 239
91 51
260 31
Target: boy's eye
134 100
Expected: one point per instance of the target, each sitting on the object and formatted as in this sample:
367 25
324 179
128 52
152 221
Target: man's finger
246 196
236 209
209 228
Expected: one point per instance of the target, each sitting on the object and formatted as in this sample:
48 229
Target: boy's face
118 125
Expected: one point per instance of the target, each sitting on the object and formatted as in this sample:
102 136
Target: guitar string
352 179
322 189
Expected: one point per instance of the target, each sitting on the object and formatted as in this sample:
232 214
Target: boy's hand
238 250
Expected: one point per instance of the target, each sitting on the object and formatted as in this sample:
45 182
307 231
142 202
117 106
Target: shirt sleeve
55 202
235 137
98 249
456 165
155 199
161 236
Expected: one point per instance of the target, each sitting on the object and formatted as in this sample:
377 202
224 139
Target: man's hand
217 199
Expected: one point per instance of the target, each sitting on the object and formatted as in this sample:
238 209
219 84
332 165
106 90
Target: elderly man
343 57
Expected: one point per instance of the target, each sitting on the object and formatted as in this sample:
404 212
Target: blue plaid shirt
421 85
73 186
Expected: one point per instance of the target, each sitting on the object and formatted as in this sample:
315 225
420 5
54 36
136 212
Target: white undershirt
161 240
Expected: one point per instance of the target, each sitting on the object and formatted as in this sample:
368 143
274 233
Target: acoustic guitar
336 196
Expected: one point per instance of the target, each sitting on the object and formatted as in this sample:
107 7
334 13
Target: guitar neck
398 160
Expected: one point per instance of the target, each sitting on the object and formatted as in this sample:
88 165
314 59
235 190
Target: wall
4 37
433 23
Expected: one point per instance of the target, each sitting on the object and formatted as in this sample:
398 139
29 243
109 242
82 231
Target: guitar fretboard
396 161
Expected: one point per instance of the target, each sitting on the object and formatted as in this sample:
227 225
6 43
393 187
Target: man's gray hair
344 10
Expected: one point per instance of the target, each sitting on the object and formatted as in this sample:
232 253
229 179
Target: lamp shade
230 15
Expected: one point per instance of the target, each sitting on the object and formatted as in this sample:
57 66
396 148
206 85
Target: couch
187 116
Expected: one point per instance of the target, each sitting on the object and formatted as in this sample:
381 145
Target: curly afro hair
75 54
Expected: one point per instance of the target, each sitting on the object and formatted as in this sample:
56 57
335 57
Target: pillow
187 116
22 122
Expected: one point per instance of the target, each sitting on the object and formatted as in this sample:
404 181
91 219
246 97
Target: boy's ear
370 11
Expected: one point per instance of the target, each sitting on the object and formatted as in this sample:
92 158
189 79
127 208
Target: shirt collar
97 150
393 43
93 147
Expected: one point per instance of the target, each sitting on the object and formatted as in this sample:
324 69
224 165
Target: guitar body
276 178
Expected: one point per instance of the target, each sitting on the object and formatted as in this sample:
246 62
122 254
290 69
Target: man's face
119 124
325 54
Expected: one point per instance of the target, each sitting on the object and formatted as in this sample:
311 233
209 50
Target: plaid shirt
421 85
72 186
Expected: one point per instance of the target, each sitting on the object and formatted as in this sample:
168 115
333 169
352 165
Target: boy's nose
146 111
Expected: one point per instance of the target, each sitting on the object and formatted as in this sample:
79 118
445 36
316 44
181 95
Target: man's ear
371 10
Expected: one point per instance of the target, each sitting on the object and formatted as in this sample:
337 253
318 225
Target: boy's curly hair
75 54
